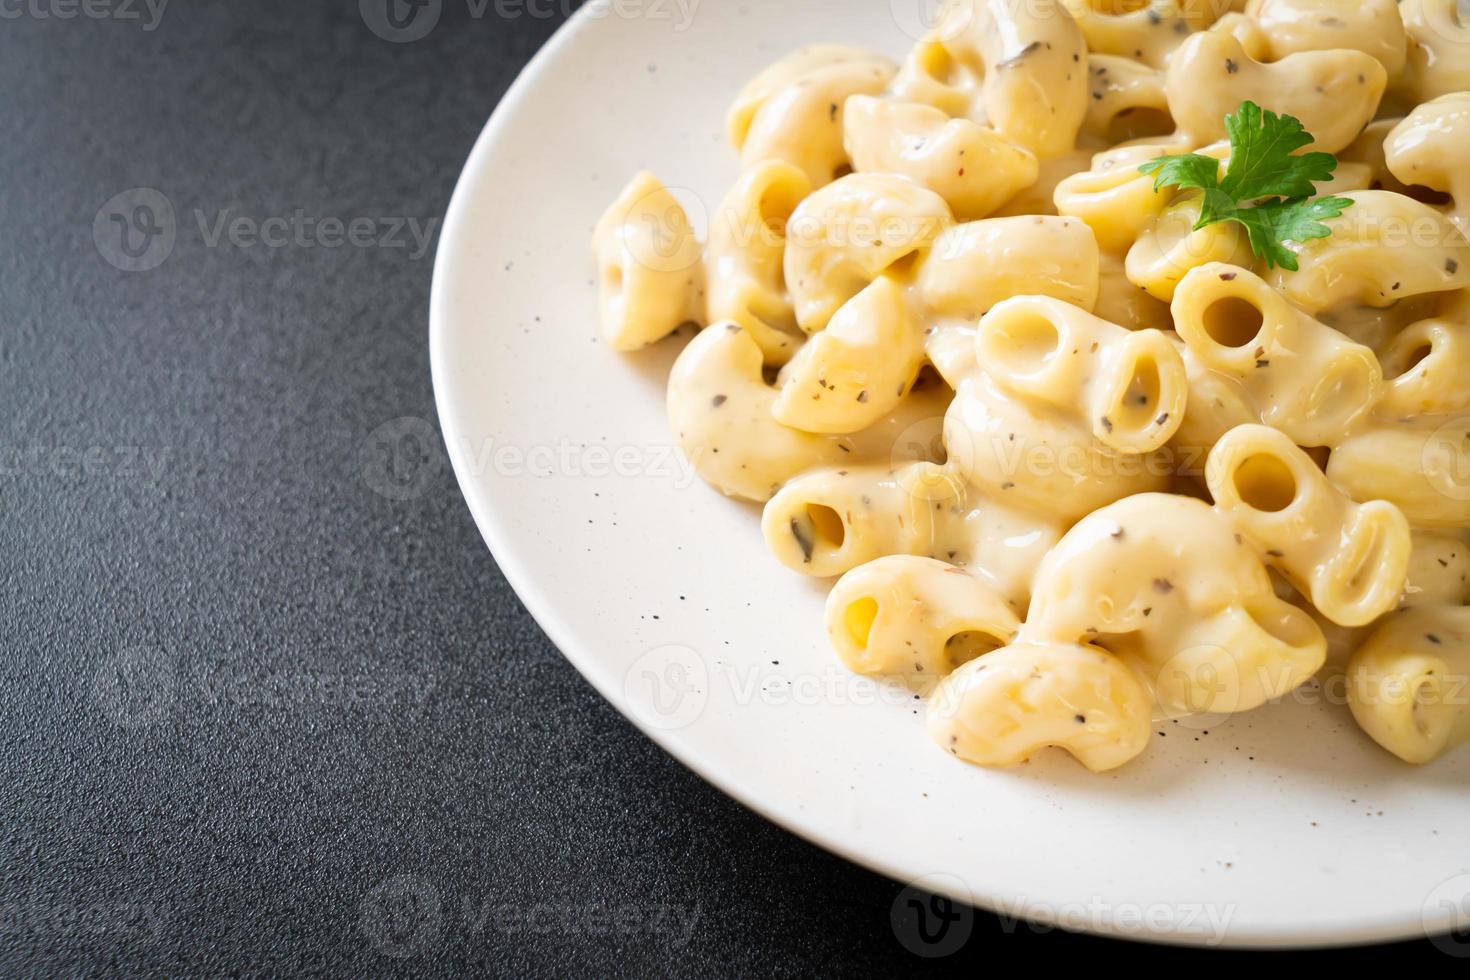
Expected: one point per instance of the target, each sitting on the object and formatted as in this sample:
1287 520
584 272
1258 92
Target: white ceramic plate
1281 826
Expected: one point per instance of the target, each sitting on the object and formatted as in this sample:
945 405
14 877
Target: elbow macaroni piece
973 168
1300 376
914 616
1373 27
1439 49
793 110
1004 707
1165 581
718 401
1036 456
857 370
1383 249
1171 246
1117 201
1128 386
648 263
1431 147
1021 67
1439 570
974 266
1148 31
1422 466
1351 559
1333 93
1426 365
743 259
1125 304
1368 151
849 233
720 408
829 521
1409 683
1128 101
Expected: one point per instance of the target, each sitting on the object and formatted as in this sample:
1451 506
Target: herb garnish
1266 188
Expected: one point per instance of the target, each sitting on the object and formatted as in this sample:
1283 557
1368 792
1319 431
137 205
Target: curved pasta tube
914 616
828 521
1035 456
1431 147
1120 301
1171 246
720 410
973 168
1350 559
717 400
1426 364
1036 200
1233 659
1422 466
1439 50
649 280
1165 581
1333 93
1217 403
1247 32
1017 66
1117 201
1368 150
1383 249
1127 101
1373 27
1409 683
743 258
974 266
1128 386
1304 378
1004 707
849 233
1439 570
792 111
858 369
1144 30
1147 562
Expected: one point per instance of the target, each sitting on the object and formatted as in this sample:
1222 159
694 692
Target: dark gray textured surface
257 716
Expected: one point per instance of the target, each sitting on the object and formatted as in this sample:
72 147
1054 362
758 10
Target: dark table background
266 705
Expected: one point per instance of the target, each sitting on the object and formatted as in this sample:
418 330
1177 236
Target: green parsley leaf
1261 161
1263 176
1294 220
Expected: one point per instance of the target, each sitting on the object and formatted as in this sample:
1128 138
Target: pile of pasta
1169 479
